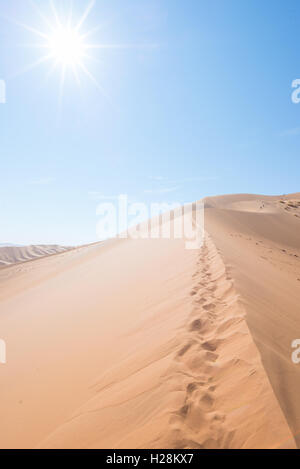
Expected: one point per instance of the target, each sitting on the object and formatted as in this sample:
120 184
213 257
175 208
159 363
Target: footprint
210 345
209 306
191 387
206 401
202 284
184 349
184 410
196 325
201 301
211 356
212 316
218 417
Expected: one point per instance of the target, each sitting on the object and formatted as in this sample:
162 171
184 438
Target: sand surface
17 254
144 344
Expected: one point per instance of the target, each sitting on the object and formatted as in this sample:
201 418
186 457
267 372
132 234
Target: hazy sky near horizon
194 101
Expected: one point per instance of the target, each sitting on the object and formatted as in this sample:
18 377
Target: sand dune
10 254
261 248
142 343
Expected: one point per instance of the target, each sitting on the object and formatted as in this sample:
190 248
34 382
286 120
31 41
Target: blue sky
199 104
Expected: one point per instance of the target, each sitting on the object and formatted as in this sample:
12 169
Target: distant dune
144 344
10 254
5 245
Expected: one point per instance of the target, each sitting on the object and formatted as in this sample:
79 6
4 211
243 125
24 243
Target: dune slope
142 343
17 254
259 238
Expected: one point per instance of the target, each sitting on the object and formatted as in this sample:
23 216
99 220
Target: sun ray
61 89
89 74
76 75
121 46
93 79
94 59
26 27
95 82
34 45
62 83
41 15
92 31
65 43
51 71
85 14
55 14
70 18
32 66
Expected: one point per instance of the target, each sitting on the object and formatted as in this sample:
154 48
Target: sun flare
66 46
65 43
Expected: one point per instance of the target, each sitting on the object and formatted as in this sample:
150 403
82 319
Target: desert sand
144 344
17 254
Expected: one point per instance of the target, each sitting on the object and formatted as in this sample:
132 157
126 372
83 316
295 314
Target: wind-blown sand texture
144 344
17 254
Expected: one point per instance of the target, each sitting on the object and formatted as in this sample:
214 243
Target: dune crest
204 388
144 344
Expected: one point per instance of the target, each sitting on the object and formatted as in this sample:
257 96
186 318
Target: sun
66 46
64 42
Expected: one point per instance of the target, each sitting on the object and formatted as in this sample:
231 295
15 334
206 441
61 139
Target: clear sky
193 99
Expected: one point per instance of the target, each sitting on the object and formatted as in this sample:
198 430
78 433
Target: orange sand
144 344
